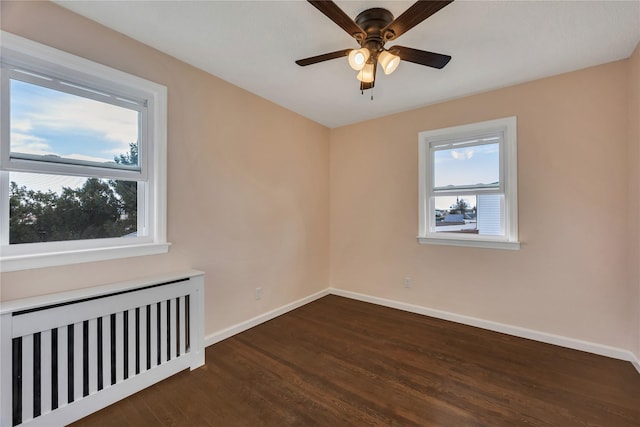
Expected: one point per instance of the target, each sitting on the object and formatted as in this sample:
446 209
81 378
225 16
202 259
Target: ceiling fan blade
411 17
324 57
337 15
422 57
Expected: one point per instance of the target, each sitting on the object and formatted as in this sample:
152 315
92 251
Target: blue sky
465 166
46 121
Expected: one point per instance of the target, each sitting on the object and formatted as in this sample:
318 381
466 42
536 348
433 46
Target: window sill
475 243
52 259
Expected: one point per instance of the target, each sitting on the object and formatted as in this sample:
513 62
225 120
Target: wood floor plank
340 362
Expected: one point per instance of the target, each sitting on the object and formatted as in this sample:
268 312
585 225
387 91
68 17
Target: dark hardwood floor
340 362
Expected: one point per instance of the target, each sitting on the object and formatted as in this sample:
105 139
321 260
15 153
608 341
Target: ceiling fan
374 27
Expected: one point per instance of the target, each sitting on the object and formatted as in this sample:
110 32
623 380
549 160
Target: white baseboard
600 349
248 324
636 362
576 344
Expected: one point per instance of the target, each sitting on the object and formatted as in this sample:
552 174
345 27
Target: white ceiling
253 44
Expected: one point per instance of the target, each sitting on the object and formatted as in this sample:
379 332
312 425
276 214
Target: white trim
559 340
55 59
507 127
152 154
471 243
511 179
4 207
255 321
9 306
52 259
635 361
576 344
156 211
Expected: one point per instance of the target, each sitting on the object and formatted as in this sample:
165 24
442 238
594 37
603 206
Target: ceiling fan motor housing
373 21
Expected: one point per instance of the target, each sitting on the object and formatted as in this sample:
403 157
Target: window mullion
143 211
467 190
57 168
4 208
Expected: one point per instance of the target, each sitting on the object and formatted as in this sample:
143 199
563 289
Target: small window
82 157
468 185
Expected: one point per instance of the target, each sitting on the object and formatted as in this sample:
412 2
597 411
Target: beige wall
249 186
634 184
570 278
247 181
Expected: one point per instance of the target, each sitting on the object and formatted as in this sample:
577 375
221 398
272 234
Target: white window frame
151 98
432 140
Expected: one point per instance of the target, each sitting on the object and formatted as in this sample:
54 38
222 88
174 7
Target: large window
468 185
82 157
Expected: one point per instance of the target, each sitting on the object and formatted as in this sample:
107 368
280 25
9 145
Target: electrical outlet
407 282
258 293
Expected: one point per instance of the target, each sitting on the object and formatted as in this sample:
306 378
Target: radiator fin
57 367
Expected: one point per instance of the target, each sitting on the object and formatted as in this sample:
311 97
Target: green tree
30 214
130 158
127 191
97 209
90 212
460 206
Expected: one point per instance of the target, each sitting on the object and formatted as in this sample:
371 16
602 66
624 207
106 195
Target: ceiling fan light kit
358 58
388 61
367 74
374 27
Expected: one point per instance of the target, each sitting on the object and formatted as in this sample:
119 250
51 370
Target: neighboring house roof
454 218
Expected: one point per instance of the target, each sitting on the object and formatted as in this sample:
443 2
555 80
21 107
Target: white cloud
21 125
29 144
462 154
115 124
43 111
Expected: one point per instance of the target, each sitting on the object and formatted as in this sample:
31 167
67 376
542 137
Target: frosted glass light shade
388 61
366 74
358 58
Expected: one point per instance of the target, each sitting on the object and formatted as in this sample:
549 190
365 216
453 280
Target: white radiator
64 356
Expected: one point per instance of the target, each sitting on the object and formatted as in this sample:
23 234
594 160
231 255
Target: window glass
64 127
50 208
468 166
455 214
472 214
